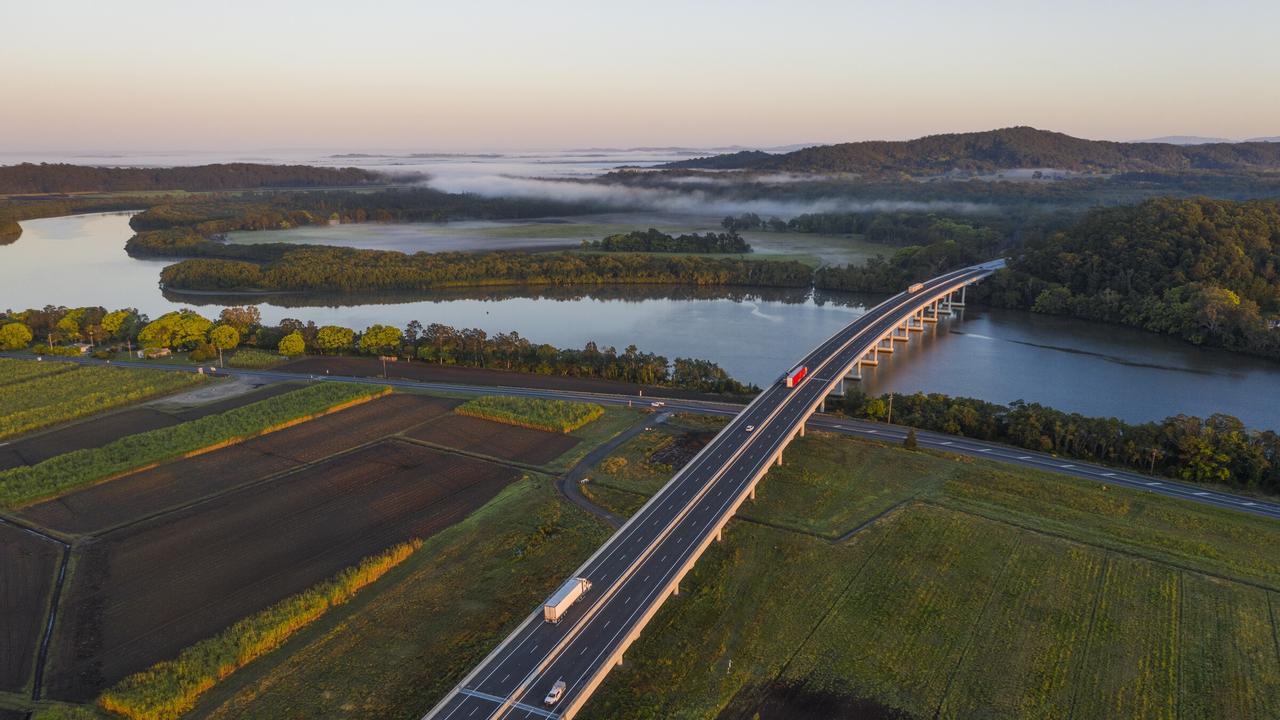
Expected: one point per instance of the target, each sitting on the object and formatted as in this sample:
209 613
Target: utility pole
889 421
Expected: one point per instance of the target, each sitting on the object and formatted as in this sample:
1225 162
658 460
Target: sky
87 75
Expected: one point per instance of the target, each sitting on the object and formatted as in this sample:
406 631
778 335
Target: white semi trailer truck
564 598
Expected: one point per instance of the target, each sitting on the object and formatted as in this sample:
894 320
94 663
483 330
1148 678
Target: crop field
983 592
195 571
99 507
29 484
48 399
16 371
473 434
27 567
100 430
551 415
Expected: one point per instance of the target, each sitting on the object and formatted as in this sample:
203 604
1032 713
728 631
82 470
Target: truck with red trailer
793 378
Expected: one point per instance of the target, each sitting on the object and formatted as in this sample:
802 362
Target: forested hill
29 178
1205 270
1004 149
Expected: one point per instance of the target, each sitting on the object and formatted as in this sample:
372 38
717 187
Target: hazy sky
132 75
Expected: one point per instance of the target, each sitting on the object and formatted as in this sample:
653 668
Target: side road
829 423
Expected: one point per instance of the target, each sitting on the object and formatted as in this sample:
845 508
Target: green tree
909 442
178 329
334 338
380 339
14 336
241 318
292 344
224 337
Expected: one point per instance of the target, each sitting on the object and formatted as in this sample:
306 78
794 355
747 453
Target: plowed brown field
144 493
27 567
508 442
144 592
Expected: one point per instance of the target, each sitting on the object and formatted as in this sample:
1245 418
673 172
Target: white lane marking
1153 484
1024 457
1200 494
1249 504
1066 466
984 449
873 432
1108 474
947 442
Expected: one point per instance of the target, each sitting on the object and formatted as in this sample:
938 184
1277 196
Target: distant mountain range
995 150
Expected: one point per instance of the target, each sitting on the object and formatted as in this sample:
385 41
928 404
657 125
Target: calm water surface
994 355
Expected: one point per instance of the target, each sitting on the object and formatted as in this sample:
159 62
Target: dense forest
335 269
1207 271
1004 149
652 240
29 178
283 210
1218 449
50 327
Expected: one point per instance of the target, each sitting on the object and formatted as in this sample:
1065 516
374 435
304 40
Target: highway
642 563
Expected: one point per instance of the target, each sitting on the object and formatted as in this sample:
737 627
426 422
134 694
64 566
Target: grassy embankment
57 475
973 589
562 416
170 688
35 395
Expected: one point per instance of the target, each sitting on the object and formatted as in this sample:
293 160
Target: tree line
234 327
652 240
28 178
1217 449
337 269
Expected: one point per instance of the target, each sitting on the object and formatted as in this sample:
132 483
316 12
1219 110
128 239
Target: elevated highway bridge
549 670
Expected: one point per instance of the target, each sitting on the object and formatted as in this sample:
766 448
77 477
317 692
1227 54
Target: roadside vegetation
254 359
26 484
1218 449
561 416
32 399
169 689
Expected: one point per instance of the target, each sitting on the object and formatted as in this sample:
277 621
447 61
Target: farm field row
37 399
99 430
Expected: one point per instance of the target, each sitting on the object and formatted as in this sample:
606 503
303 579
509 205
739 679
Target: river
754 334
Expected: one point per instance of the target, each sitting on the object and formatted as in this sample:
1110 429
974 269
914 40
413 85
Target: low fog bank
693 201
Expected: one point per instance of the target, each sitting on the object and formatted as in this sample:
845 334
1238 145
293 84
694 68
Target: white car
557 691
750 428
658 403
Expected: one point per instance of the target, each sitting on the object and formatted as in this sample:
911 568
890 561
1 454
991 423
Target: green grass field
253 358
550 415
35 395
968 590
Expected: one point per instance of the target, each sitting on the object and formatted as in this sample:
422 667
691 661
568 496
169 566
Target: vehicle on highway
564 598
554 696
915 288
794 377
751 428
657 403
